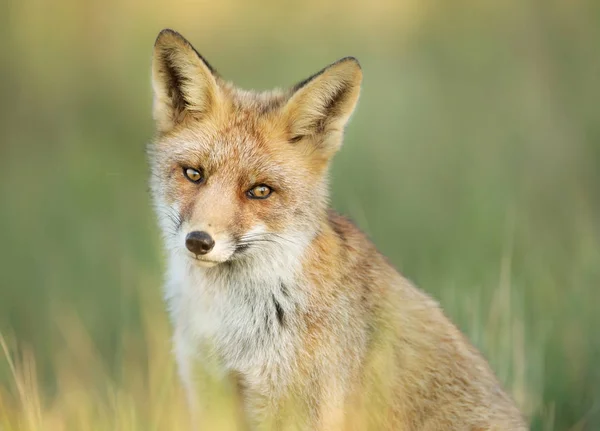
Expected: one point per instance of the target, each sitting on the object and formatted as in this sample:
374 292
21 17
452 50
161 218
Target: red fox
287 297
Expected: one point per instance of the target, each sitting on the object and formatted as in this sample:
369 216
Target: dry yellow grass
142 392
84 395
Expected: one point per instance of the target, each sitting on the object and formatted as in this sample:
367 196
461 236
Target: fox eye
193 175
259 192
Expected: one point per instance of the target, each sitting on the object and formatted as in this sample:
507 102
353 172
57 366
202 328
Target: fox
269 288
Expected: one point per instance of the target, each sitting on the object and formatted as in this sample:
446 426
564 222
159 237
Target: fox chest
248 326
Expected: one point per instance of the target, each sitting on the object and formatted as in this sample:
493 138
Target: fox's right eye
193 175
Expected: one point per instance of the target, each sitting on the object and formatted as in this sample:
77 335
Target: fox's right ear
321 105
183 82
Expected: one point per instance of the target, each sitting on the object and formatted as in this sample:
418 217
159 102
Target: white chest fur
244 314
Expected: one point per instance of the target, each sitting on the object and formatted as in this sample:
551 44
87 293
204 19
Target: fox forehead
246 142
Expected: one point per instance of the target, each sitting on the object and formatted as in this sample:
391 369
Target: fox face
234 172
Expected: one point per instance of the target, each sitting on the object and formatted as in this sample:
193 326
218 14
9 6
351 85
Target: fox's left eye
193 175
259 192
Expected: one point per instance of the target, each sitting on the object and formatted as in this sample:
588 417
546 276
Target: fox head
236 173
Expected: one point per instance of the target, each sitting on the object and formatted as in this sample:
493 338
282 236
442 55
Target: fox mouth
201 261
205 260
237 253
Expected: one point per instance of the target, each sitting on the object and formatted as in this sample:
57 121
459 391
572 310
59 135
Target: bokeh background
473 162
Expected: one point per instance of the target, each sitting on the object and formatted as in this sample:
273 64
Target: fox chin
292 302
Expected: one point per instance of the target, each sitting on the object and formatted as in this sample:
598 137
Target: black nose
199 242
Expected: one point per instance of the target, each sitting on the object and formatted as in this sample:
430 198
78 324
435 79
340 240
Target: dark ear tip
168 39
168 33
349 60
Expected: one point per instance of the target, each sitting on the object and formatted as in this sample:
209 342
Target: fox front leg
185 359
330 413
239 404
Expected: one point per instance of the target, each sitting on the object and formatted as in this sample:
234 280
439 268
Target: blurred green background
473 162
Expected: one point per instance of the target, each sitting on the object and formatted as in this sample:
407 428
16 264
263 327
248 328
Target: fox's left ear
183 81
321 105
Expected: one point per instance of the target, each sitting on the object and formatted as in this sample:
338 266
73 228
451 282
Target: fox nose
199 242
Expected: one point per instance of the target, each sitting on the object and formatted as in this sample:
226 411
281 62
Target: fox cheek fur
290 298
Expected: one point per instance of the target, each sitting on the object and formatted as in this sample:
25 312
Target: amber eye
259 192
193 175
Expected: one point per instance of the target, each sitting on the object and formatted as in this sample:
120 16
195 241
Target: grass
473 163
142 392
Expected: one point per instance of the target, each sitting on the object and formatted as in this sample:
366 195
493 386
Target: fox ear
183 82
322 104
